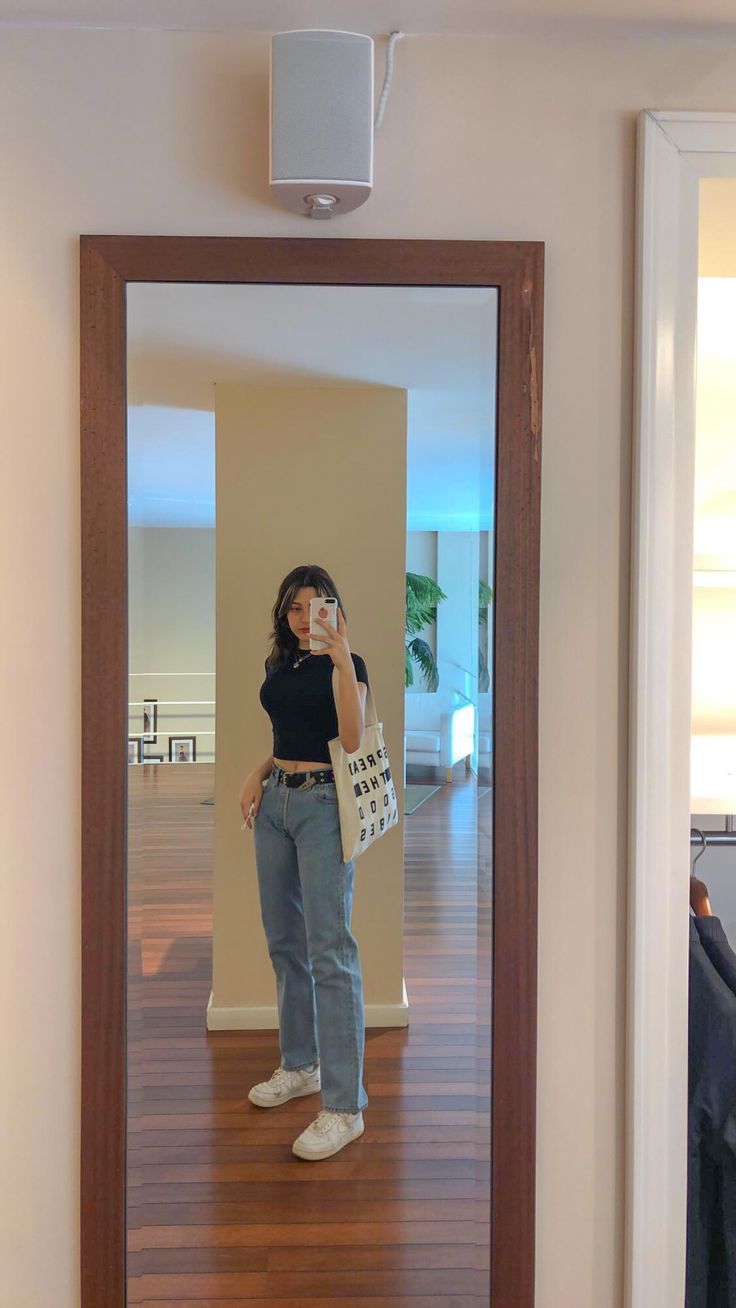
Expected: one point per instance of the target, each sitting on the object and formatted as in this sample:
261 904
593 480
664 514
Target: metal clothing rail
705 837
138 703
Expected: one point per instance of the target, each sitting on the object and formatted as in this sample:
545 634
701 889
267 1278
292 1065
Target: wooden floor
220 1212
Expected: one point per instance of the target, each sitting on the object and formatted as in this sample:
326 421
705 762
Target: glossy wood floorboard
220 1212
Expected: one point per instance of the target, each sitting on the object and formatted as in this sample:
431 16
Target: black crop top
301 705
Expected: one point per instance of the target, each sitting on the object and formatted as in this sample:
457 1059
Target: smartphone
324 607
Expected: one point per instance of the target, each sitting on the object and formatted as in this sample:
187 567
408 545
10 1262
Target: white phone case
324 607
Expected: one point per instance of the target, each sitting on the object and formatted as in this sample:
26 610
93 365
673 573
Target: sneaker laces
278 1078
325 1121
282 1074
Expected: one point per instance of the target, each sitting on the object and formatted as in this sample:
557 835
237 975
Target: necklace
297 660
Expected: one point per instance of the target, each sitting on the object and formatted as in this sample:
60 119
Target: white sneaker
284 1084
328 1133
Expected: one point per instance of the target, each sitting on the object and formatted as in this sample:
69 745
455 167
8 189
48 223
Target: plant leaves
419 651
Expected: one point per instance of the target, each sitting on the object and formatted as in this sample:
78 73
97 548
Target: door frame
675 150
516 269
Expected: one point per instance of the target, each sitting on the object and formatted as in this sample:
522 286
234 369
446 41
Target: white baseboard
266 1019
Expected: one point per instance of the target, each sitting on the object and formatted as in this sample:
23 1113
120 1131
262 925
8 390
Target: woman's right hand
250 798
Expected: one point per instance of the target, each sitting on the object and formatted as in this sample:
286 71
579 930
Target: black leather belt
292 779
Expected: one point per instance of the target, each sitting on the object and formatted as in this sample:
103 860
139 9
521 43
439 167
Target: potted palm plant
422 597
485 597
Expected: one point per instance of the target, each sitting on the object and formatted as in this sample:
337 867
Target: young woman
306 891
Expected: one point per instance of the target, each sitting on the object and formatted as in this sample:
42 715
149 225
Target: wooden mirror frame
515 268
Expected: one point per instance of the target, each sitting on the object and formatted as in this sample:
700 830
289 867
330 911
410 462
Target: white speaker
321 121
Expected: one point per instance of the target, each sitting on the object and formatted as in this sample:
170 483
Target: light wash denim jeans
306 894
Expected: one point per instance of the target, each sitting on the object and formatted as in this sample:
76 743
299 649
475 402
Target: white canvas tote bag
366 796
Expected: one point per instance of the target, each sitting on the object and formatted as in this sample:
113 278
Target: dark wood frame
182 737
152 739
108 263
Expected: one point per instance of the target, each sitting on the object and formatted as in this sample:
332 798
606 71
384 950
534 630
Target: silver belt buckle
314 778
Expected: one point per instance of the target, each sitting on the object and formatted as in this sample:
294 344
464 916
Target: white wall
457 616
166 133
171 633
453 559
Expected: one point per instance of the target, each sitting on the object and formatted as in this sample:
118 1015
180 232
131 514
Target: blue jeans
306 894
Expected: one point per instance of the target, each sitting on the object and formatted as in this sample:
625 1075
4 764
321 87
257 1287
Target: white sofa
438 728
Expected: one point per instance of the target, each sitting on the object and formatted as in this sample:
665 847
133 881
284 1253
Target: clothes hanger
699 901
704 843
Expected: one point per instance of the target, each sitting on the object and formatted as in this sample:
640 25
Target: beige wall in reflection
305 474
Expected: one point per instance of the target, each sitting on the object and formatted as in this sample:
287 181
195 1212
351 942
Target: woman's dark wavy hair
284 642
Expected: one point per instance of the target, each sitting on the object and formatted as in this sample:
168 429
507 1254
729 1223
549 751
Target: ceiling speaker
321 121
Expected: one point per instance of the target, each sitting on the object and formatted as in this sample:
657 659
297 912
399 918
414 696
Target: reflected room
352 429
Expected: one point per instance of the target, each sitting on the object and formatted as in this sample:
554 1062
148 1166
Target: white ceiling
184 337
377 17
437 343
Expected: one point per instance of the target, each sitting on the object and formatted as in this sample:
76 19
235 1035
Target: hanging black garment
715 943
711 1190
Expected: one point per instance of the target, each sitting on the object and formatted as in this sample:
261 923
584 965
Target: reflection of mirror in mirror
350 428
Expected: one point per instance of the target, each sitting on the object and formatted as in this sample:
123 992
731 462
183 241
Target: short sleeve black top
301 705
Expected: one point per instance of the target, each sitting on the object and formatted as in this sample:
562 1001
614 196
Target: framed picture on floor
182 749
150 721
135 749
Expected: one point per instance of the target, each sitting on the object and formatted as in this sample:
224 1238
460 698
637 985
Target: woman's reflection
306 891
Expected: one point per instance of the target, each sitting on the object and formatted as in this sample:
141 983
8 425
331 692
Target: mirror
280 998
250 406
